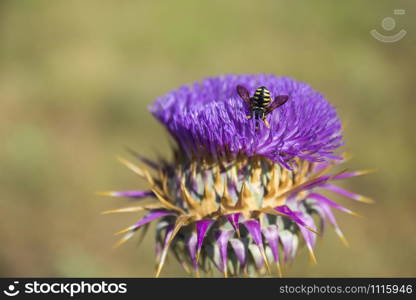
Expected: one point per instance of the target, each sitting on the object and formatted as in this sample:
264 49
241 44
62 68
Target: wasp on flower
234 199
259 105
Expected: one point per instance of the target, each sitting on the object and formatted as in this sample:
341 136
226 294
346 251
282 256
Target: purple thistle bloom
209 118
236 197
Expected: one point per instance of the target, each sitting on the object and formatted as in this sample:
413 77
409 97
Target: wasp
261 104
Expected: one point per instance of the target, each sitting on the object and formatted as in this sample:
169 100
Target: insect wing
244 94
278 101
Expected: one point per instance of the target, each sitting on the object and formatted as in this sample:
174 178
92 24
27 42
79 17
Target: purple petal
201 228
284 209
329 202
350 174
321 166
222 237
271 233
191 245
150 217
239 250
169 232
164 252
326 210
161 227
257 256
343 192
132 194
316 182
253 227
310 237
289 243
233 219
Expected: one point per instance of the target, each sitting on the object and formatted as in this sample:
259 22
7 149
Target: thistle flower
235 198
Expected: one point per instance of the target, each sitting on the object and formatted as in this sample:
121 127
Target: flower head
209 119
237 198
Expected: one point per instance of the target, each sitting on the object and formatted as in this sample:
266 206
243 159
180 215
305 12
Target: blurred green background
76 78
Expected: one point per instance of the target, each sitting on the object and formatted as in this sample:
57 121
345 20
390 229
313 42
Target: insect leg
256 115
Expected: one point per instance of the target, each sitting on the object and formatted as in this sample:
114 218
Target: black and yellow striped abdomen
261 98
